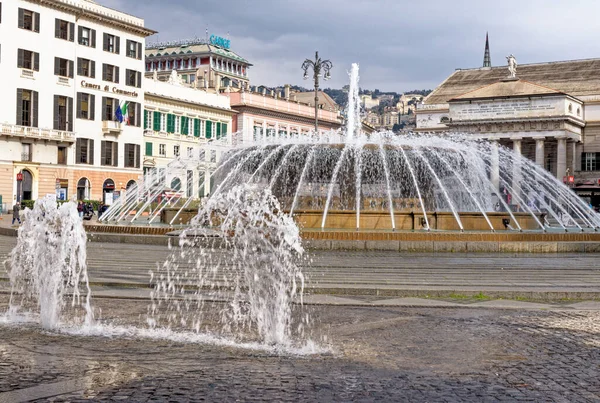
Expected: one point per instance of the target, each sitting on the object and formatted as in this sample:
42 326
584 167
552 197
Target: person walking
16 213
80 209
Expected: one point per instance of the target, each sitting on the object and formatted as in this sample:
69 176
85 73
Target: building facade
549 112
261 116
66 67
200 63
180 121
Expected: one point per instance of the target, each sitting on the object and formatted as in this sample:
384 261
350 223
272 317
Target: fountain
48 265
258 274
380 182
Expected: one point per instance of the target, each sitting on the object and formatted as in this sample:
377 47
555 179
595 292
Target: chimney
286 92
264 91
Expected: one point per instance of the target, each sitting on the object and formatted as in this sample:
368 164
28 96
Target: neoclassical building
549 112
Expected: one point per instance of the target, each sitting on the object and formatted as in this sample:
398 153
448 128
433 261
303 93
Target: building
368 102
66 67
549 112
203 63
308 97
262 116
407 103
183 121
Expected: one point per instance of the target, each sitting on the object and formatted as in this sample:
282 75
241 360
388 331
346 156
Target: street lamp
317 65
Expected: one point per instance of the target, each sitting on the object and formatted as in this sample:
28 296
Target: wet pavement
376 354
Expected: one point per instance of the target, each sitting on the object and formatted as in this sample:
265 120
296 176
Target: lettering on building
107 88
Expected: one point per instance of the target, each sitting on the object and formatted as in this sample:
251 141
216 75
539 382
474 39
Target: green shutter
170 123
146 119
148 149
208 129
196 127
185 128
218 130
224 129
156 123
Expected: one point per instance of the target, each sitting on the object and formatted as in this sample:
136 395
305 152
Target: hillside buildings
66 67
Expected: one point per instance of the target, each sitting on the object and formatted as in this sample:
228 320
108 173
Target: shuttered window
64 30
63 67
134 49
27 108
148 149
27 59
110 73
197 124
156 123
170 123
86 67
223 129
185 125
109 153
29 20
132 156
63 113
86 36
86 106
111 43
84 151
218 130
208 129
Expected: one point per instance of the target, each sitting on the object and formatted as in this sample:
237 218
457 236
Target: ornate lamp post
317 66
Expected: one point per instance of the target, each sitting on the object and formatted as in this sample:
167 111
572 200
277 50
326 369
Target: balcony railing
111 127
36 133
26 156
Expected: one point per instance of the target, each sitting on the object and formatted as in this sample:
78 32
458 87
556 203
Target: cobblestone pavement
378 354
371 272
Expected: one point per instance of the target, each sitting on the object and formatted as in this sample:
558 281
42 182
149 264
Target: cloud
400 45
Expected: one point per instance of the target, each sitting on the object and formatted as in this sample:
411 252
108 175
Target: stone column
516 179
494 164
574 165
539 152
577 156
561 158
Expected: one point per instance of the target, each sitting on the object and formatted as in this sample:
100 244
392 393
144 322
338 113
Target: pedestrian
16 212
80 209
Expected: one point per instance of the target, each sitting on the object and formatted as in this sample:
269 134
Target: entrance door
27 186
107 191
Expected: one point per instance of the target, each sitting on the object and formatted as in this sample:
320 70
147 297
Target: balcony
111 127
36 133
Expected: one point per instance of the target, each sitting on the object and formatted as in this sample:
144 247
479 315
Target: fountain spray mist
49 262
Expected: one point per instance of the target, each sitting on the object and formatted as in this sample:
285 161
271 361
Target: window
185 125
63 67
27 59
109 106
177 124
85 106
111 43
190 152
64 30
162 150
27 108
132 156
590 161
170 123
61 157
26 154
163 122
63 113
176 151
84 152
213 156
133 114
148 149
134 49
109 155
87 37
86 67
133 78
147 119
29 20
110 73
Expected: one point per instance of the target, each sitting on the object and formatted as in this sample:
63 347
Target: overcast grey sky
400 45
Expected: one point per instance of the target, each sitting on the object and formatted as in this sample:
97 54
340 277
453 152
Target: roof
573 77
507 88
184 48
324 99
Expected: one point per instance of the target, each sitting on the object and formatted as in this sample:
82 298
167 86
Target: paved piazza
455 350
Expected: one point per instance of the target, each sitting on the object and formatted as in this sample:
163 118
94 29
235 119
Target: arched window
83 189
107 191
578 111
131 183
570 108
176 184
445 119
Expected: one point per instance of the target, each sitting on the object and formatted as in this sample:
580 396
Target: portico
540 123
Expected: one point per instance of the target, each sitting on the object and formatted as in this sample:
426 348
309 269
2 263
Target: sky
399 45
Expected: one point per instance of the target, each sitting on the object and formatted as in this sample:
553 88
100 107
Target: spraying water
49 262
251 260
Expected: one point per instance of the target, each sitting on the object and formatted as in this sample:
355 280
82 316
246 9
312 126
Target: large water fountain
352 181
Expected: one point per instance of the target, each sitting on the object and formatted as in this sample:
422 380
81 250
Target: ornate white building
66 65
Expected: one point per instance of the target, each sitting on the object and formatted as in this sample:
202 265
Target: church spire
487 62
